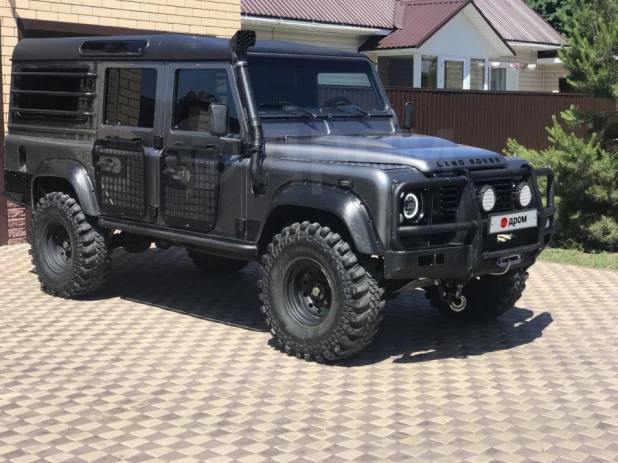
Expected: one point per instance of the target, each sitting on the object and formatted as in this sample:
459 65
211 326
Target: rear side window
53 95
130 96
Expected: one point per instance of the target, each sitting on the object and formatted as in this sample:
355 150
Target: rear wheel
488 297
319 302
213 265
70 255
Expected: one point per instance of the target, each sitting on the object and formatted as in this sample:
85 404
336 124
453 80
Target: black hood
427 154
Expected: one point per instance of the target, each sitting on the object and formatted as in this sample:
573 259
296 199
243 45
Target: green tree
591 57
586 169
552 11
591 61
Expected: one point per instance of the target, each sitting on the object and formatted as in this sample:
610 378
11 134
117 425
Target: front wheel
69 254
319 302
488 297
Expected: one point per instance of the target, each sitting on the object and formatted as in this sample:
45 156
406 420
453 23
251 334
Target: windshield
314 87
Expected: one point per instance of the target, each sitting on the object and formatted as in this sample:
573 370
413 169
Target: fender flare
77 175
347 206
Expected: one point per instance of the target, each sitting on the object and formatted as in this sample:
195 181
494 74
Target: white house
454 44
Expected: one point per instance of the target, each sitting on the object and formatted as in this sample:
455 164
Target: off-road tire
488 297
88 266
356 301
214 265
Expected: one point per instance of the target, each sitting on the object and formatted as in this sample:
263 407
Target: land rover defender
273 152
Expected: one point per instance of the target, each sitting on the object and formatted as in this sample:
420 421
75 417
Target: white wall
458 38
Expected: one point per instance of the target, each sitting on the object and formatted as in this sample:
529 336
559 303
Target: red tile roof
517 22
419 20
369 13
414 21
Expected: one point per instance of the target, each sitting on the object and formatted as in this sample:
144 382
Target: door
193 160
453 74
129 137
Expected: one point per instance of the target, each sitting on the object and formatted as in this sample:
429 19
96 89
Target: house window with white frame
498 79
429 71
477 74
396 71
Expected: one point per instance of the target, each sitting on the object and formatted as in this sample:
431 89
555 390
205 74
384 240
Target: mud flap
190 189
120 167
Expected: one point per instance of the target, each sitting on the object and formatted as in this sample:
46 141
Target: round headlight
524 194
412 207
488 198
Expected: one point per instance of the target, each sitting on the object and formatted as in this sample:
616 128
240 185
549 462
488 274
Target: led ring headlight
488 198
523 194
412 207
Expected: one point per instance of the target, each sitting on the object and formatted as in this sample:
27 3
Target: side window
130 96
194 91
53 95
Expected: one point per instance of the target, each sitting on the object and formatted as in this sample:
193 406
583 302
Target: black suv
273 152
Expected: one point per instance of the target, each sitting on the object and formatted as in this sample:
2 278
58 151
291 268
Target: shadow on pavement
169 280
411 331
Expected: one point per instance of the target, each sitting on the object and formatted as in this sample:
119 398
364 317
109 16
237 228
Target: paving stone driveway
168 365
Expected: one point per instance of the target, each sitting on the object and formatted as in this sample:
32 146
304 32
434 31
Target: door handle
179 143
106 165
176 175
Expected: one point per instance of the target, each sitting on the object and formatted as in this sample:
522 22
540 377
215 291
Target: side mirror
218 119
408 116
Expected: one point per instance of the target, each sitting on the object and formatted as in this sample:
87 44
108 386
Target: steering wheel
336 100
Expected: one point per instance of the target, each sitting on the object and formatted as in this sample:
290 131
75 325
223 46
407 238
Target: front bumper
467 258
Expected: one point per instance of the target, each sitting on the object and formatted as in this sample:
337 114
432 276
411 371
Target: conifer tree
586 169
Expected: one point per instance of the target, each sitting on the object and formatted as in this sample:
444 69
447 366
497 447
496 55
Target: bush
586 188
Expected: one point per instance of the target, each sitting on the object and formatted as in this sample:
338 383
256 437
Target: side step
215 245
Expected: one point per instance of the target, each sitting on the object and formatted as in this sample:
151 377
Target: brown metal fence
489 119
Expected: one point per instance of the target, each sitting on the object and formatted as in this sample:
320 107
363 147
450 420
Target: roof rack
54 74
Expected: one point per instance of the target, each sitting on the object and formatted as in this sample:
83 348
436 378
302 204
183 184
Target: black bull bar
468 259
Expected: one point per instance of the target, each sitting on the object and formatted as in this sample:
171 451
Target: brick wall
17 224
182 16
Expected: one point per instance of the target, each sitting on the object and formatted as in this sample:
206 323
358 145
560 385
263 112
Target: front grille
448 198
448 201
504 193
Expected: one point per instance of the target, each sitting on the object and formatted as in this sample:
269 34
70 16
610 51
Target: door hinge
241 227
153 212
157 142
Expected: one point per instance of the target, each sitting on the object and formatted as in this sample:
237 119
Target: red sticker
504 222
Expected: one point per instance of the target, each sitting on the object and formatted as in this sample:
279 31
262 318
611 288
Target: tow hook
450 292
457 304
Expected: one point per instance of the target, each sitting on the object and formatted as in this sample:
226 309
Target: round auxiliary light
412 207
523 194
488 198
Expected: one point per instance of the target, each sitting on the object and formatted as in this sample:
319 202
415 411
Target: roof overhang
535 46
486 28
313 26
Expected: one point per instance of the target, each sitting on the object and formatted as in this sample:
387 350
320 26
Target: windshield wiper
281 104
338 104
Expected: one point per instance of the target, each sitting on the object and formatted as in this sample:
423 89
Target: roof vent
114 47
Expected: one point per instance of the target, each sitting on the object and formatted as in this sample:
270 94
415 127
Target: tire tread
92 265
364 299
